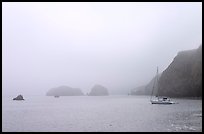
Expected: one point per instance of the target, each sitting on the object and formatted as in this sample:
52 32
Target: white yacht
162 100
157 99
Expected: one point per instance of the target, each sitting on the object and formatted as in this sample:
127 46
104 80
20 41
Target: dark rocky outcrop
98 90
183 77
19 97
64 91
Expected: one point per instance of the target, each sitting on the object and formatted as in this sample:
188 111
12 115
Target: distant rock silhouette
64 91
19 97
145 89
183 77
99 90
138 90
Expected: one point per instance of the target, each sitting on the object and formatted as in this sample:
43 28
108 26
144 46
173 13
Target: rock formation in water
145 89
98 90
19 97
183 77
64 91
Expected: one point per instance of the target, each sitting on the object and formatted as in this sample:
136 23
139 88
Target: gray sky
117 45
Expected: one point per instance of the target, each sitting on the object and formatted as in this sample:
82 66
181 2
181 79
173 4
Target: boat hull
162 102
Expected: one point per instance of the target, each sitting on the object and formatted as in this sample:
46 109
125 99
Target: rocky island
19 97
98 90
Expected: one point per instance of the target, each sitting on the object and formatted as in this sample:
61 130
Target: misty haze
100 66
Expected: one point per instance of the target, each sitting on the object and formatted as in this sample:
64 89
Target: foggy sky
117 45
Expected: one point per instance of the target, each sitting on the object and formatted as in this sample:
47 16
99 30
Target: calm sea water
104 113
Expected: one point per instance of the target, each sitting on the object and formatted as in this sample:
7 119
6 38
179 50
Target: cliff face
183 77
64 91
98 90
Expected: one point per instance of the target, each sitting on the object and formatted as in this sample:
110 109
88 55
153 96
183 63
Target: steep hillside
183 77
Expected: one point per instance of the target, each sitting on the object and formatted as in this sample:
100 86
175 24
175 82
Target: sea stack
98 90
19 97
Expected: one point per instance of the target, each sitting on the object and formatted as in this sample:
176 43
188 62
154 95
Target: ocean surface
99 113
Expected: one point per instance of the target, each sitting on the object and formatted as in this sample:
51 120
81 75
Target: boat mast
156 79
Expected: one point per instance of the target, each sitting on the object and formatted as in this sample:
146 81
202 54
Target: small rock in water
19 97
